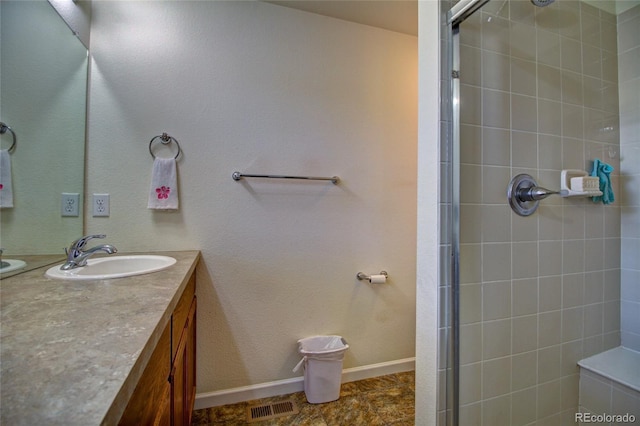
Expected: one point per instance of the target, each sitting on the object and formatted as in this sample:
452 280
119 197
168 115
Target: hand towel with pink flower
163 194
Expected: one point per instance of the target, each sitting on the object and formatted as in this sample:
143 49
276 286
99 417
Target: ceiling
400 15
395 15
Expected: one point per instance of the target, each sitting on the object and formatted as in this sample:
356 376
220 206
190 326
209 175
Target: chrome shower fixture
542 3
524 194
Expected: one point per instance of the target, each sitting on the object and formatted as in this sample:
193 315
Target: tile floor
381 401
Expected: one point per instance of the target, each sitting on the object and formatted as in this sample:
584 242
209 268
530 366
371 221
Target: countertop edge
121 400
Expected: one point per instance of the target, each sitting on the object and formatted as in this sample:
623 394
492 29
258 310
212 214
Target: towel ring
165 139
3 130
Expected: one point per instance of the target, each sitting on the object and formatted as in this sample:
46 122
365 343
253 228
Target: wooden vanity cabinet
165 394
183 368
150 403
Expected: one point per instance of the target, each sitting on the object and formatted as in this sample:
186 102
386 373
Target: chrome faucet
77 256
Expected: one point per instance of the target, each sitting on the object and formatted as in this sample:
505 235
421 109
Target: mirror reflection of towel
163 194
602 171
6 189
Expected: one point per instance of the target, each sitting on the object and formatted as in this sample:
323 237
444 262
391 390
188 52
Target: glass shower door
534 90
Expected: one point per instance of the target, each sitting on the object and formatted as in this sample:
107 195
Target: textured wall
260 88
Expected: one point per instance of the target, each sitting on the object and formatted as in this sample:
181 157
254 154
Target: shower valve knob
524 194
534 193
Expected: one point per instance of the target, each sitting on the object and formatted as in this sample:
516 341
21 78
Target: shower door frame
455 16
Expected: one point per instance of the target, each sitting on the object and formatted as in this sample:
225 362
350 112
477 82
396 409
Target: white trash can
322 361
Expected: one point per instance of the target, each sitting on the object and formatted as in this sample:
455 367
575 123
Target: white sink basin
9 265
113 267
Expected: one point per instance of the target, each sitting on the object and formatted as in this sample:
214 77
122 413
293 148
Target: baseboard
377 370
282 387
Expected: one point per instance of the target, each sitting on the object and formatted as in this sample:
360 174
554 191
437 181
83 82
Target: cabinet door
180 316
183 373
190 362
178 386
163 417
149 403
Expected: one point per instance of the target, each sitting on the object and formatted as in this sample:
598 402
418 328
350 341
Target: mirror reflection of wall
43 81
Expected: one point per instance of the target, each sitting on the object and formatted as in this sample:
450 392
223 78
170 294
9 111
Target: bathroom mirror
43 83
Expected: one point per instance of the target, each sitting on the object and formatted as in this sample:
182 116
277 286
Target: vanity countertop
72 351
33 262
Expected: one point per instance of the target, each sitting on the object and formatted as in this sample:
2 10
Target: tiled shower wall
539 94
629 77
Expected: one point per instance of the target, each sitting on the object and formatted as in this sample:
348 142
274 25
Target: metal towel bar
237 176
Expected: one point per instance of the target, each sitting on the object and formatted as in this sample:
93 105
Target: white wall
260 88
428 221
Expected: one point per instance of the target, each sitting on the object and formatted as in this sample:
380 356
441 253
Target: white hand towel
6 190
163 194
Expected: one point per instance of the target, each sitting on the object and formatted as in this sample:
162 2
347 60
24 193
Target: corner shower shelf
565 185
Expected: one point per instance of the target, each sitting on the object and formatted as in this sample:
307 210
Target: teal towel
602 170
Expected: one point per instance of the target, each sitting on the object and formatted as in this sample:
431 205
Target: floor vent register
256 413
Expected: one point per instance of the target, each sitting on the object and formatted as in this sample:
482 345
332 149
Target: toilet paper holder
364 277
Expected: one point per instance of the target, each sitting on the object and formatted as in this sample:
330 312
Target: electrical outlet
70 204
100 205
